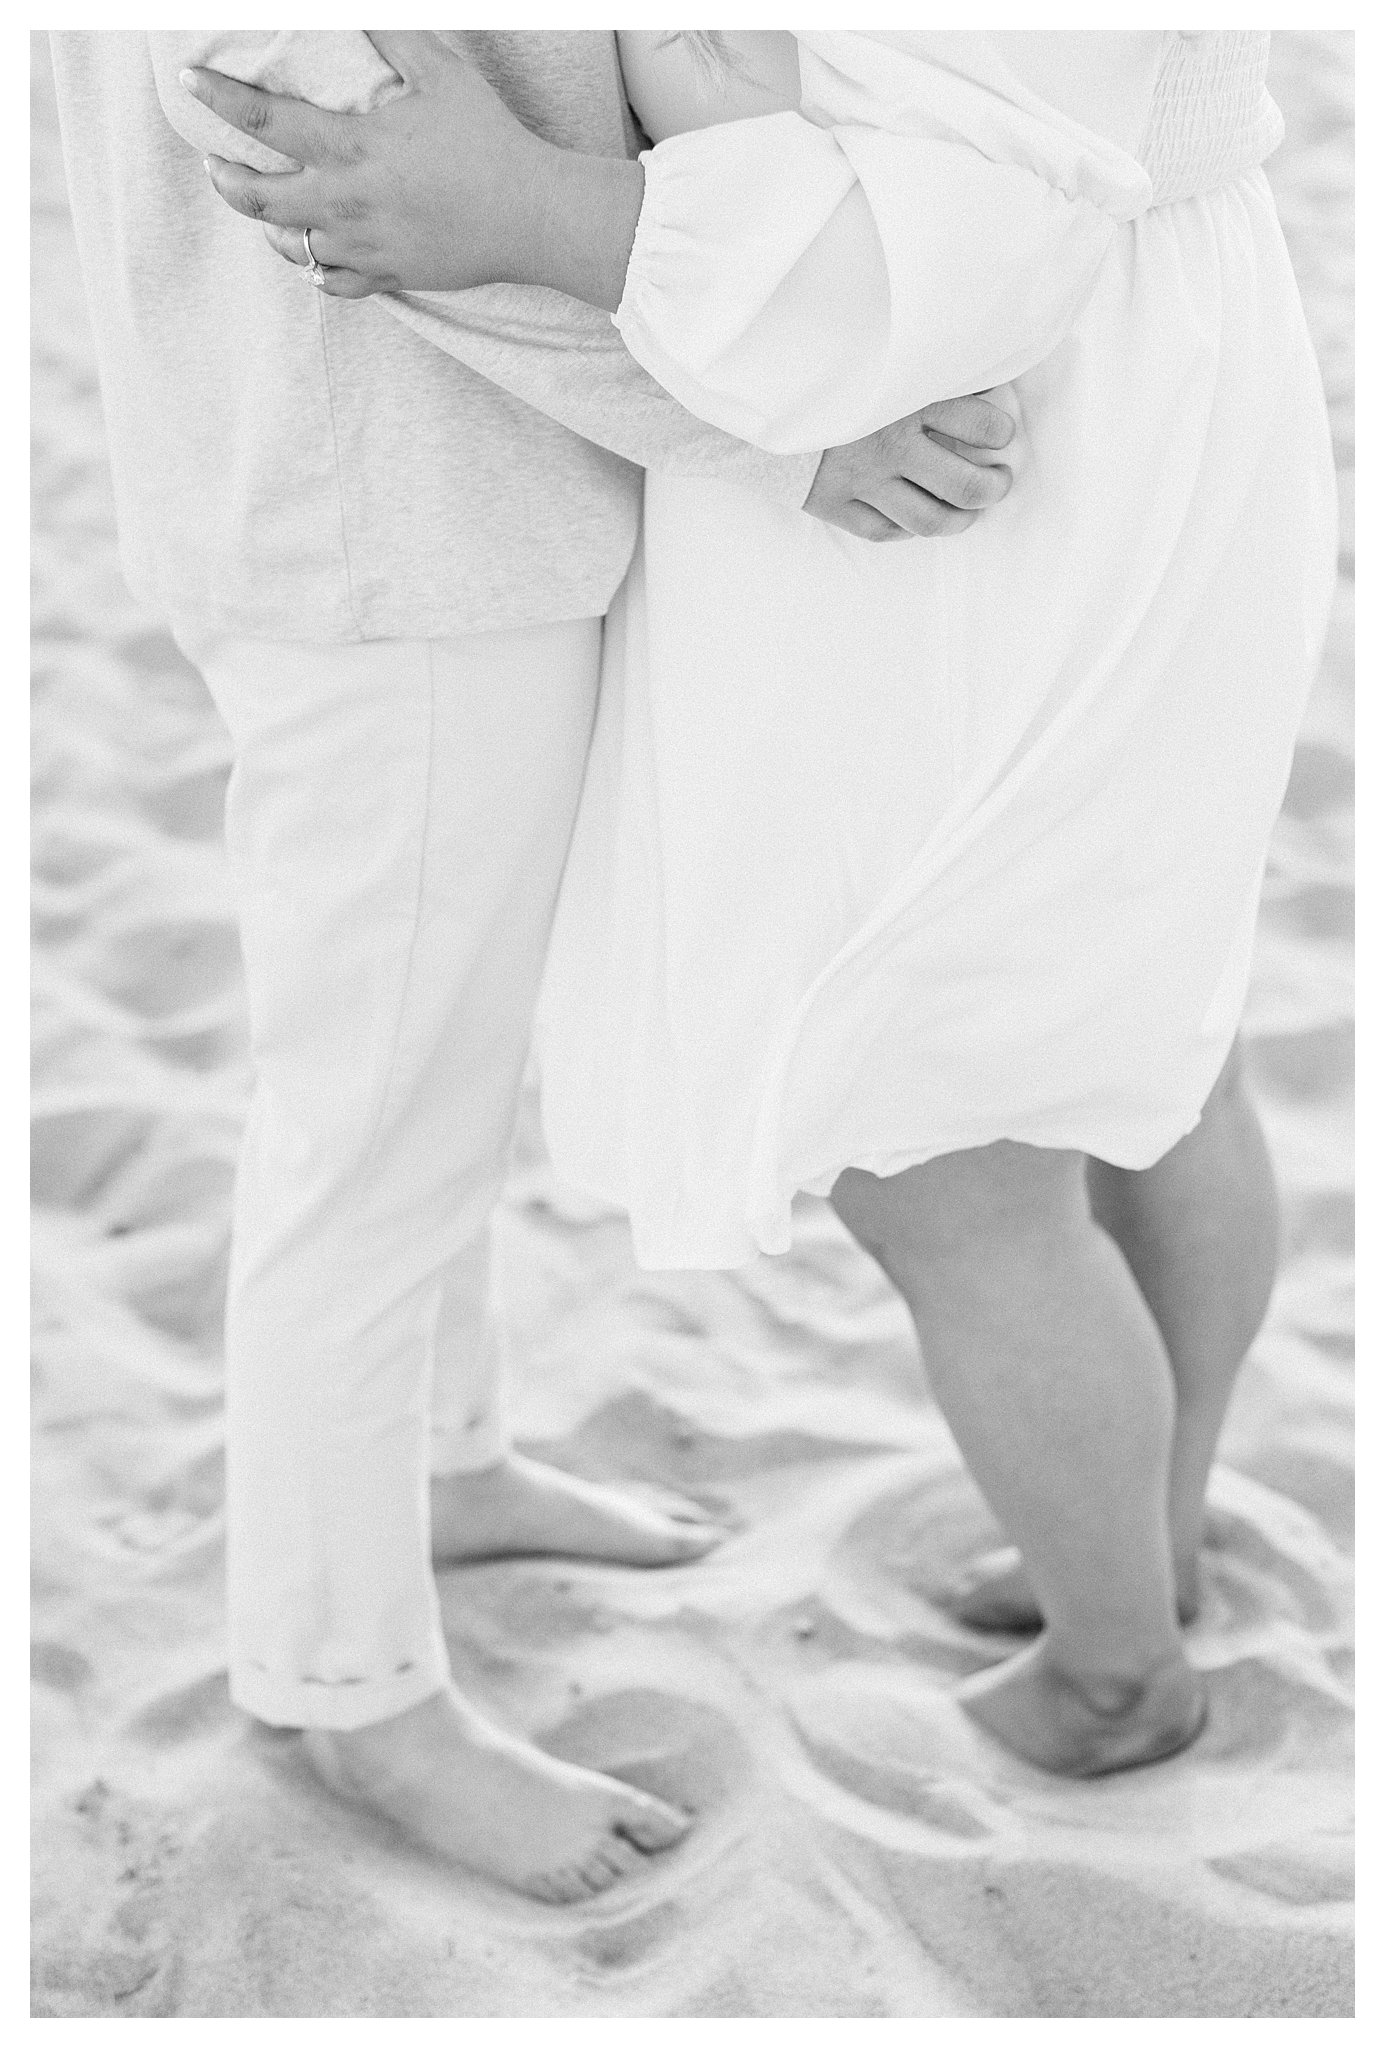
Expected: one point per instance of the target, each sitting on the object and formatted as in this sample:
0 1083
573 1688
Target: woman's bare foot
521 1508
995 1595
1086 1725
459 1785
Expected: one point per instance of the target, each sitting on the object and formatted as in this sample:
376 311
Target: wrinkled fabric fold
915 232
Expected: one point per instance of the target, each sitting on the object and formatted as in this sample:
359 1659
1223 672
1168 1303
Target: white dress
887 852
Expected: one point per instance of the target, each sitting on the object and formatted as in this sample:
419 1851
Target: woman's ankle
1187 1579
1114 1680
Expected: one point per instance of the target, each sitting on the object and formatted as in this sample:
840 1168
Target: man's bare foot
1085 1725
995 1595
459 1785
521 1508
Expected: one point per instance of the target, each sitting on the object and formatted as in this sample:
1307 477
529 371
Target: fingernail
189 82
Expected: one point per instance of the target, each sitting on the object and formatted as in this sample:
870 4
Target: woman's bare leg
1051 1373
1200 1232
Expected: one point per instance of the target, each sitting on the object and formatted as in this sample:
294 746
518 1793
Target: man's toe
650 1824
606 1867
684 1510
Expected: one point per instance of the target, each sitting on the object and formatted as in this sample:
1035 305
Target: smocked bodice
1211 116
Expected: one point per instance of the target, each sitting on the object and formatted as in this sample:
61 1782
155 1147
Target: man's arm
927 475
566 359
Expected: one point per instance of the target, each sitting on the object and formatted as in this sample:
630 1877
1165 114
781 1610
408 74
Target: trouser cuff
295 1703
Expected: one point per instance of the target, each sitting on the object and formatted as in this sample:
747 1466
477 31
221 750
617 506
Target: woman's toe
682 1509
619 1856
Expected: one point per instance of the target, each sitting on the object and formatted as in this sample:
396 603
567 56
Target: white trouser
397 822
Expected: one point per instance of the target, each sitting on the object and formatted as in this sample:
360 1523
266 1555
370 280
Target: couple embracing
540 594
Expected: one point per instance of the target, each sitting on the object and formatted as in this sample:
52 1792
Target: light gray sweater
290 466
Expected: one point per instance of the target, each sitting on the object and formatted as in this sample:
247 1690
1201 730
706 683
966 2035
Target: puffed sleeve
924 226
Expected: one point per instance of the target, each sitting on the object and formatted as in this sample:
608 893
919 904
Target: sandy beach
859 1851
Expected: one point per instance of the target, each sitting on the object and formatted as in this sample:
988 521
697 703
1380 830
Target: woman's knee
1228 1130
1228 1091
981 1203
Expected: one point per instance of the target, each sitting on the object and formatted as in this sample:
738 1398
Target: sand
857 1852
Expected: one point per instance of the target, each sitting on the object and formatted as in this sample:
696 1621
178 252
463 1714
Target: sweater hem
333 625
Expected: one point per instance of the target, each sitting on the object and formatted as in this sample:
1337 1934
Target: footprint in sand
891 1738
890 1569
645 1438
919 1537
1276 1614
1267 1559
680 1750
58 1667
1277 1608
105 1863
630 1934
812 1632
1270 1712
899 1748
1296 1872
184 1712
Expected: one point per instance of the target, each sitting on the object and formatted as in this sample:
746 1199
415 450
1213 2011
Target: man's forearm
565 358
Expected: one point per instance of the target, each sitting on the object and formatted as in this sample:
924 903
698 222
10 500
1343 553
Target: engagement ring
315 273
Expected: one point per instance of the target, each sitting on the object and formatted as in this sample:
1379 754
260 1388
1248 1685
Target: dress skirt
892 851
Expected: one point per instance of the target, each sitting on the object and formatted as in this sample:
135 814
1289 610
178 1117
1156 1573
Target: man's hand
931 474
439 189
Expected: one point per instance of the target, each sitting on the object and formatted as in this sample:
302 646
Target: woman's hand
439 189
